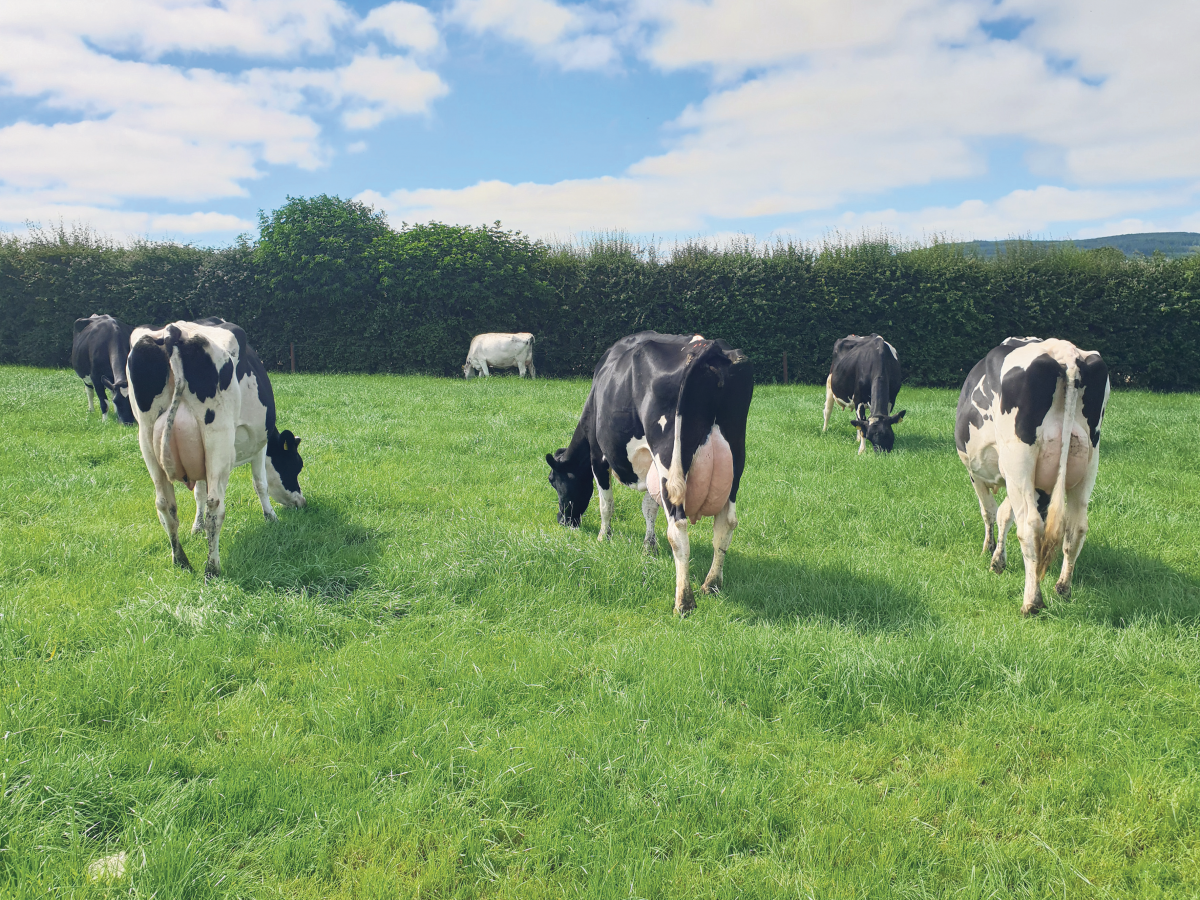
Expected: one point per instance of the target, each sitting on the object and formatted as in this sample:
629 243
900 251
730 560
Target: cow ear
108 383
898 416
552 461
859 423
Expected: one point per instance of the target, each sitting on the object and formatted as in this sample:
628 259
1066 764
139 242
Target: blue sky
676 119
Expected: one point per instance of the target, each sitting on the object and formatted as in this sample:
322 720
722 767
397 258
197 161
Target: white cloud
1045 210
140 127
561 34
404 25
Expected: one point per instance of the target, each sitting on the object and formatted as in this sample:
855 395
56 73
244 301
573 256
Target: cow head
283 469
878 429
120 399
468 371
573 482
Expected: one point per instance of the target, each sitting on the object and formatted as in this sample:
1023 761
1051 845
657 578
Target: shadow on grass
775 590
319 550
1122 586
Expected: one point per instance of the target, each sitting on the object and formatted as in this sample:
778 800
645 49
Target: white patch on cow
676 484
637 451
696 337
606 511
662 422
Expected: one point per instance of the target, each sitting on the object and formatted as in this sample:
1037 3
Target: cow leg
677 537
606 510
483 368
200 493
213 520
1074 535
1004 524
164 497
103 403
520 368
532 370
91 394
828 401
1030 531
723 525
650 514
987 509
258 474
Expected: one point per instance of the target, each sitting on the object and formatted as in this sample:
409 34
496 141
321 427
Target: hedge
353 295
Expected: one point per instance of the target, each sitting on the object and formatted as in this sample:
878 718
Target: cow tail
176 397
676 481
1056 515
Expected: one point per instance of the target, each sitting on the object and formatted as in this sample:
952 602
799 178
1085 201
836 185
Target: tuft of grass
420 685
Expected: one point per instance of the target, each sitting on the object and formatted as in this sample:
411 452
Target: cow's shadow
1116 586
770 589
318 551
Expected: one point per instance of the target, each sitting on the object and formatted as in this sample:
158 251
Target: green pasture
422 686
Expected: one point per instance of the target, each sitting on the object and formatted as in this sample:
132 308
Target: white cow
1028 420
204 406
500 351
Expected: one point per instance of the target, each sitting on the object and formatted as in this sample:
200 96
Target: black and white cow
98 355
865 372
1029 419
666 414
204 406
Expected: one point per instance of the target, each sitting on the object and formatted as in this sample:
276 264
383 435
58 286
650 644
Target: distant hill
1170 243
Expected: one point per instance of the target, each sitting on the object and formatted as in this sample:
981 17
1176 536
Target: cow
666 414
98 355
1029 418
866 372
204 406
500 351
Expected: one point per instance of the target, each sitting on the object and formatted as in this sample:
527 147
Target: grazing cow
204 406
500 351
866 372
98 357
1029 419
666 414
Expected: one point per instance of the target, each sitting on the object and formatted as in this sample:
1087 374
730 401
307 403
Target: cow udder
710 477
183 459
1079 454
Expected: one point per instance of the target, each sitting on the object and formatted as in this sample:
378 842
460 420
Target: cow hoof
999 563
198 528
603 536
183 563
685 603
270 516
989 547
711 587
1034 607
1063 589
650 548
212 570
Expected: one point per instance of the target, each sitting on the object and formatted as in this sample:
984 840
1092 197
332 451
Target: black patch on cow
199 371
148 371
209 417
1094 374
285 457
225 376
1043 504
1030 391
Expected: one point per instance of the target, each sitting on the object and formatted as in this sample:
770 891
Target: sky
668 120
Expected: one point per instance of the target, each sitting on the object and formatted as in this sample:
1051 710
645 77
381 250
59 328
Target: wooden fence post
293 346
785 367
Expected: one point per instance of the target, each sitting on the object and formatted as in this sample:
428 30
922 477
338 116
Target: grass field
422 686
